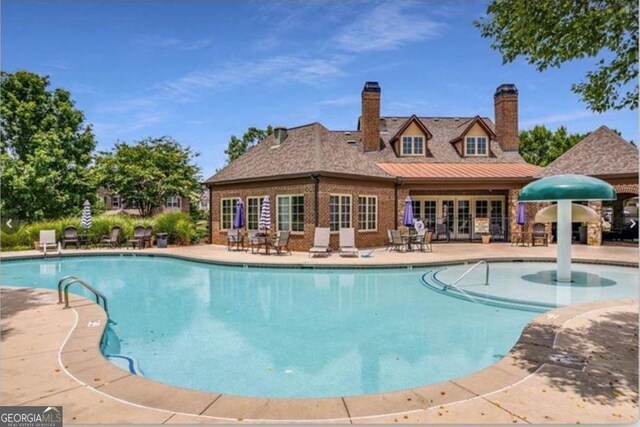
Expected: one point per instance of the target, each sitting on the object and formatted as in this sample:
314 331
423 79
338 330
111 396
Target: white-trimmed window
367 213
173 202
339 211
476 146
290 215
412 145
227 212
115 202
254 204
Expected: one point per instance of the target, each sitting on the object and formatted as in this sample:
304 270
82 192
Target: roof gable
405 126
466 127
602 152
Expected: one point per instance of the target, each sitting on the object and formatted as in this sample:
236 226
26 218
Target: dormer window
412 145
476 146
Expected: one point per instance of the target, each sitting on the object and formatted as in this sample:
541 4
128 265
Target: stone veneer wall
530 212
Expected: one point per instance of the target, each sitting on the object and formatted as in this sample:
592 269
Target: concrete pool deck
574 364
442 253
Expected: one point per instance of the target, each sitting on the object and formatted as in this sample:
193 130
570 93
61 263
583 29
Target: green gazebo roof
567 187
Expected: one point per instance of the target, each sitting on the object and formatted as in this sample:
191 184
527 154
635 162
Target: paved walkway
574 364
442 253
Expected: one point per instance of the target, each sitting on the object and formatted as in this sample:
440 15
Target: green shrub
178 225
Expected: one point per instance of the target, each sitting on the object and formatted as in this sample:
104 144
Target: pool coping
80 357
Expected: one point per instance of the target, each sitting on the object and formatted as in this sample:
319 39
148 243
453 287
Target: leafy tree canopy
549 33
148 171
540 146
238 146
45 149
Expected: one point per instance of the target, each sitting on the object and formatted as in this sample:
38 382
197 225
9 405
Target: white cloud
388 26
559 118
338 102
157 42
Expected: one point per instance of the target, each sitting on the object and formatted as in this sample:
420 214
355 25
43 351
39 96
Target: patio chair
320 242
496 232
138 237
281 242
113 239
148 236
539 234
70 235
442 229
348 242
420 240
234 239
257 239
428 238
47 240
390 245
397 242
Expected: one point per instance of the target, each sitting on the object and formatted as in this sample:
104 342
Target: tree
45 150
144 174
540 146
237 147
549 33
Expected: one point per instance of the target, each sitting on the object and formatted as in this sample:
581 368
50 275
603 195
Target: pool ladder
463 275
71 280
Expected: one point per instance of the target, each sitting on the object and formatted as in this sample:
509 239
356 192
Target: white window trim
466 153
290 213
117 205
234 199
368 230
246 213
350 196
176 198
412 154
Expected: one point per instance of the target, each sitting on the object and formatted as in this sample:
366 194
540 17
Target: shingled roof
602 153
307 149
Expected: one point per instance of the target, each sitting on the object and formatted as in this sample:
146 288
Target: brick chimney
506 114
370 119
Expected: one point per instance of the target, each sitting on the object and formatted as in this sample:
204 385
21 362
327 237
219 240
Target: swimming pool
275 332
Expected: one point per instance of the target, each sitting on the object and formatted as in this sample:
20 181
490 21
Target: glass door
463 220
448 216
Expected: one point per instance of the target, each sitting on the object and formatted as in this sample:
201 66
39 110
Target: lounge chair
348 242
397 242
281 242
47 240
234 239
320 242
539 234
70 235
113 239
138 237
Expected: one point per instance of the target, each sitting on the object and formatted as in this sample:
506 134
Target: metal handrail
70 280
463 275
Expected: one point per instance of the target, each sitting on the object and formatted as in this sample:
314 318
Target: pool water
277 332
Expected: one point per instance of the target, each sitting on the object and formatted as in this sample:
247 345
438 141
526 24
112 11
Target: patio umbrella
521 217
265 215
407 219
579 213
85 222
238 219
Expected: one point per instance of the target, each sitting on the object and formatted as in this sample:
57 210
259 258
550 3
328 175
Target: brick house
114 204
456 170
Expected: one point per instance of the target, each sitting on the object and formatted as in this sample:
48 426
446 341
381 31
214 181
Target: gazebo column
564 241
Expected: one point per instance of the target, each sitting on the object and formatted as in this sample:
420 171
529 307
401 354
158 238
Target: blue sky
201 71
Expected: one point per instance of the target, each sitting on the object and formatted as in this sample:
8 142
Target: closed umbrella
407 219
238 219
85 222
521 217
265 215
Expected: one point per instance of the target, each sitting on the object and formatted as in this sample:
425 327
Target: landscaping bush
178 225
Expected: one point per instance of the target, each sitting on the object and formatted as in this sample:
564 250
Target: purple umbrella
522 217
408 213
238 219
